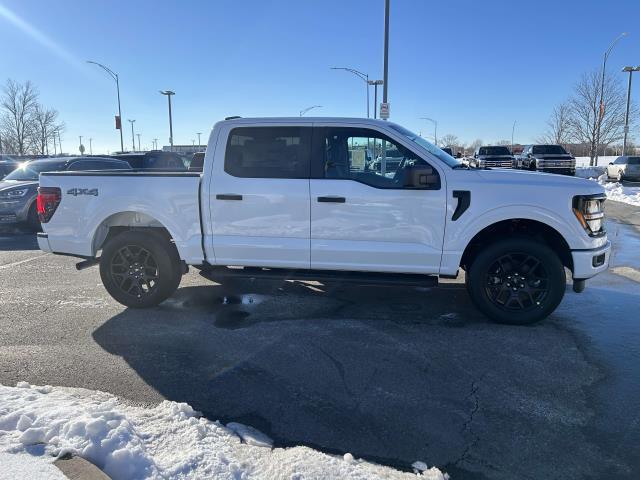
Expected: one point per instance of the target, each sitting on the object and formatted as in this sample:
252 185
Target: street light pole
80 145
199 133
114 75
138 135
626 117
155 143
601 111
90 146
169 93
435 133
513 129
133 137
385 89
60 142
362 76
305 110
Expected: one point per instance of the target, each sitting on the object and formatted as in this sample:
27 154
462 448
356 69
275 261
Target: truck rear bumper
43 242
588 263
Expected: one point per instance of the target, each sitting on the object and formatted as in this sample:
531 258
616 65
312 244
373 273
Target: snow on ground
167 441
625 193
24 465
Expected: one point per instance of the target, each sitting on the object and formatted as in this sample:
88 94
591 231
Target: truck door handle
332 199
228 196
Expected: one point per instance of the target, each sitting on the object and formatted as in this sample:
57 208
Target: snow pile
589 172
621 193
602 161
167 441
23 465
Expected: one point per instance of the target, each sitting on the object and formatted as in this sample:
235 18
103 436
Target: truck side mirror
421 177
610 163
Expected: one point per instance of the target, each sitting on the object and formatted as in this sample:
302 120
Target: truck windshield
549 150
494 151
30 171
431 148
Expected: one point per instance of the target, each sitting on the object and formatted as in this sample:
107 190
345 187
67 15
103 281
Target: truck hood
536 181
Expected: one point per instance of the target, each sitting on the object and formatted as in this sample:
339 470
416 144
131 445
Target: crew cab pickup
489 156
282 198
546 158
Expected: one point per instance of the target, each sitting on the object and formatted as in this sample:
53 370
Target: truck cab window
368 157
268 152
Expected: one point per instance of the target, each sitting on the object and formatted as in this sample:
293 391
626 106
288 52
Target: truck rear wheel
140 269
516 281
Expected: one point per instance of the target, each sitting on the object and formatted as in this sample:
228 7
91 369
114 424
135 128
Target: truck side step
361 278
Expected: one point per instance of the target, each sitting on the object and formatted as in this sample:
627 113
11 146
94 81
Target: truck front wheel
516 281
140 269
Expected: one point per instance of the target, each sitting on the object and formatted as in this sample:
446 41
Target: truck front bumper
588 263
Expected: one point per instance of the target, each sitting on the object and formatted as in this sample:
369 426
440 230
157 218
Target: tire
517 281
140 269
33 222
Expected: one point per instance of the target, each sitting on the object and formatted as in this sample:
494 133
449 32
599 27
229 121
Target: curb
77 468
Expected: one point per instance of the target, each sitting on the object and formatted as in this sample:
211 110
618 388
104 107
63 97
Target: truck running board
361 278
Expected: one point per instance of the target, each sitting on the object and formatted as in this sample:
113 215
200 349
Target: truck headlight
15 193
589 210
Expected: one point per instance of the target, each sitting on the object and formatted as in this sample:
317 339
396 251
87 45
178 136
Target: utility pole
169 93
138 135
385 86
626 118
133 137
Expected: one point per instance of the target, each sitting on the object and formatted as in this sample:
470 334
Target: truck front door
369 218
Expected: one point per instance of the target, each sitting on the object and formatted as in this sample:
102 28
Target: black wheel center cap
516 282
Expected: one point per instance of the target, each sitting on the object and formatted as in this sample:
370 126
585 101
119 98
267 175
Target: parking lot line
21 261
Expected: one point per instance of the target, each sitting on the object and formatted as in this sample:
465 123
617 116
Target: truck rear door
259 196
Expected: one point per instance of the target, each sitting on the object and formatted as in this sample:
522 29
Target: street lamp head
167 92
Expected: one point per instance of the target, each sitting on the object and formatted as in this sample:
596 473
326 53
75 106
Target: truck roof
295 120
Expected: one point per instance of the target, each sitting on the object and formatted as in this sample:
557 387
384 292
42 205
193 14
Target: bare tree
449 140
18 104
584 112
504 143
475 145
43 128
559 129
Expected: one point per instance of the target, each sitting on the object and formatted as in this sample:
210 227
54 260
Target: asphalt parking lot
390 374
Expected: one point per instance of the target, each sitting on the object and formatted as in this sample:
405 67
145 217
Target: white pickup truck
294 198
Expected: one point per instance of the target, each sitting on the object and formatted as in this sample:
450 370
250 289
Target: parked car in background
392 159
7 166
492 156
19 189
153 160
447 150
624 168
286 198
546 158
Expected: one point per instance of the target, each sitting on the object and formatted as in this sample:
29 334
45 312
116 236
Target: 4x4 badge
82 191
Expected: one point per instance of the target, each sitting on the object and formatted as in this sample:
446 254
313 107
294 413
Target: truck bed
170 199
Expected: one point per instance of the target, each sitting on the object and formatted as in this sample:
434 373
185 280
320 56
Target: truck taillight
47 201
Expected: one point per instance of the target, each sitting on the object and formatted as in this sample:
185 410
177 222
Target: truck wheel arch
124 221
518 227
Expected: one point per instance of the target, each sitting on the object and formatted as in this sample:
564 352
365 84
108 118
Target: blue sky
475 66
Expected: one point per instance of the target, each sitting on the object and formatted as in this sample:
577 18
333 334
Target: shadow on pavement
389 374
14 240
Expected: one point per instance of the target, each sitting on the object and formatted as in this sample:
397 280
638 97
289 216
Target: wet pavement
391 374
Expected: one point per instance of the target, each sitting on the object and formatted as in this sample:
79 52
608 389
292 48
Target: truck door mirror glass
421 176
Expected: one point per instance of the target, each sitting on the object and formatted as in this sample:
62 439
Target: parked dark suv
547 158
19 189
492 156
153 160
